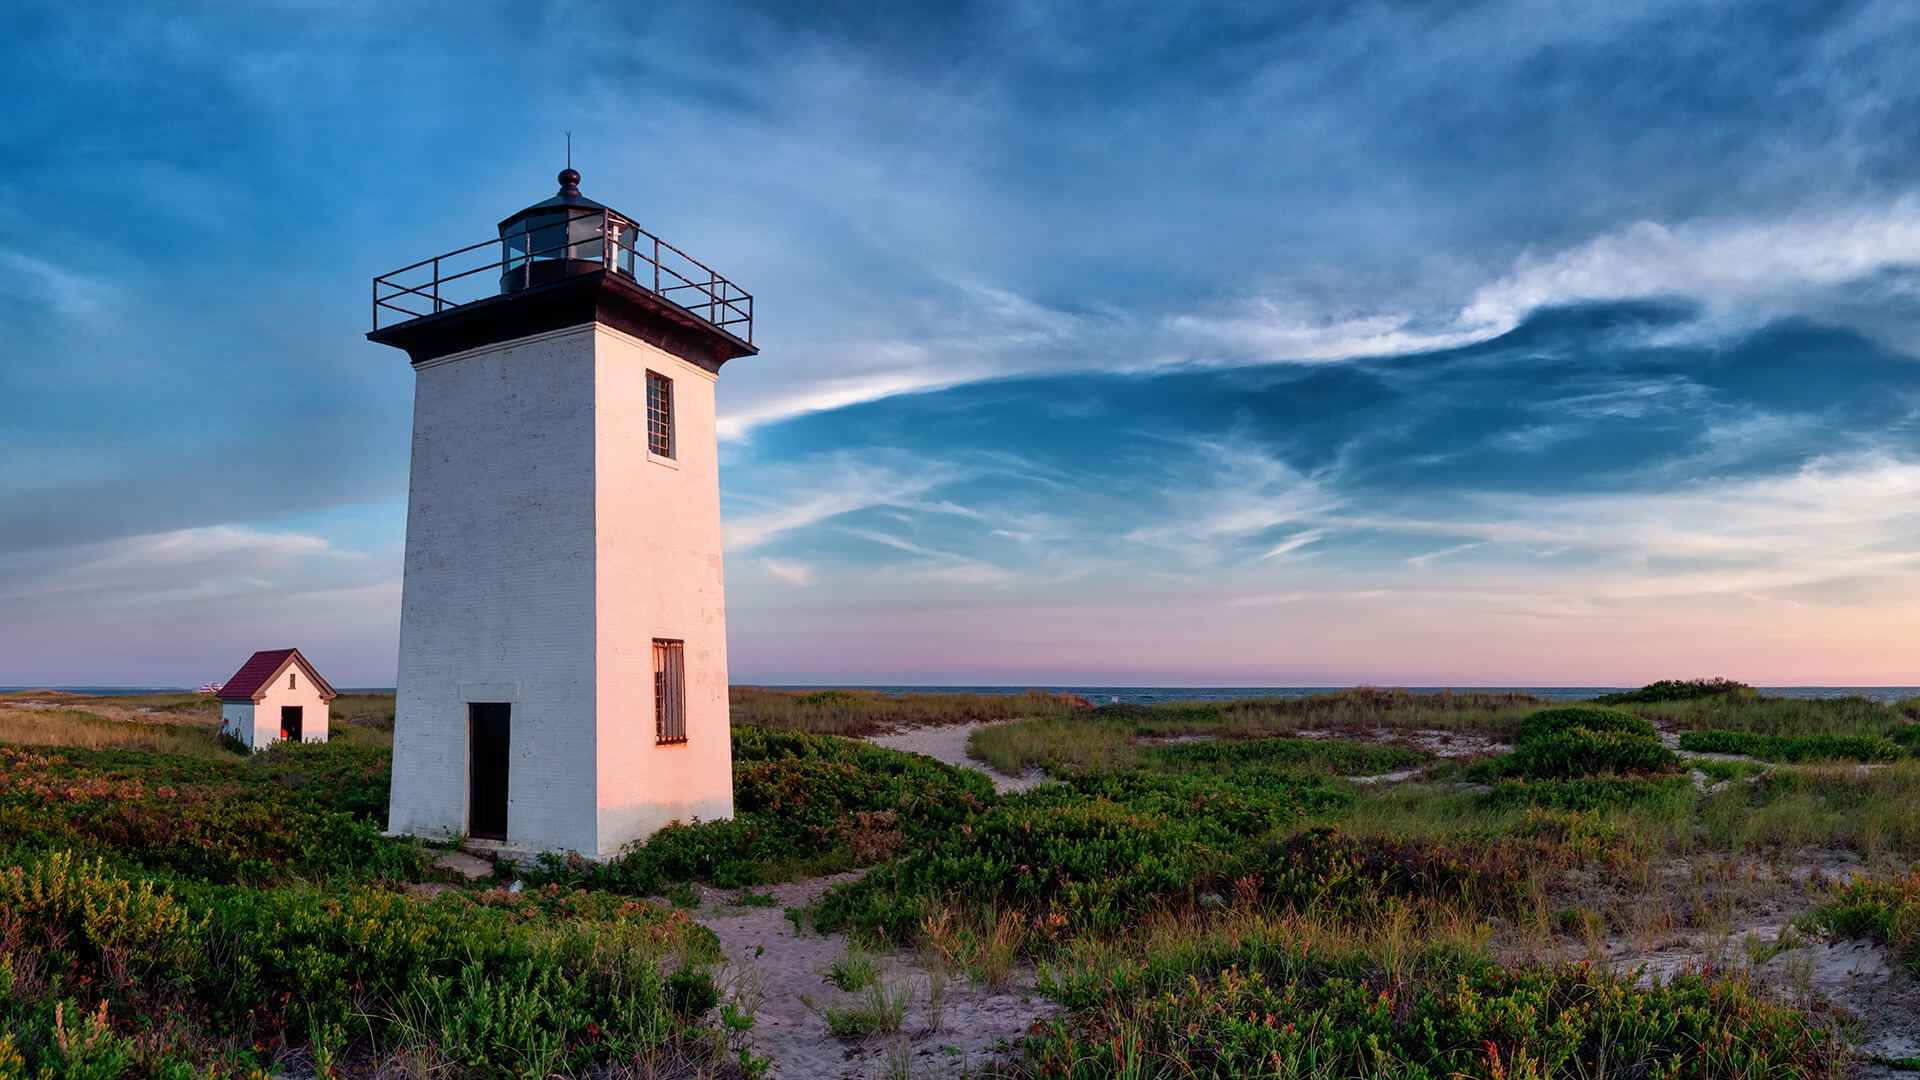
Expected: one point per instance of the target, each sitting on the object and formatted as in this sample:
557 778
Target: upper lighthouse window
659 414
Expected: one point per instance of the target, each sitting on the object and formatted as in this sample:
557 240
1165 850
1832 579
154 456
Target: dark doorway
489 734
290 722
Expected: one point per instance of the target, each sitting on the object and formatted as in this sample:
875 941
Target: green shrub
1578 741
256 821
1359 709
1569 717
1090 861
1096 853
544 983
1793 748
1327 756
691 992
1356 877
1728 770
804 805
1586 793
1679 690
1852 715
1584 753
1298 1013
1885 910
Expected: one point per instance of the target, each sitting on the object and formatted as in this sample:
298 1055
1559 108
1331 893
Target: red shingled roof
261 667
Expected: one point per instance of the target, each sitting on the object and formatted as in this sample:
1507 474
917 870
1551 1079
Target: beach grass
871 712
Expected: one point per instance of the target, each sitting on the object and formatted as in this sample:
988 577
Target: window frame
669 692
668 435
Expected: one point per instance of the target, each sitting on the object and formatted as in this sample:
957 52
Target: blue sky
1490 343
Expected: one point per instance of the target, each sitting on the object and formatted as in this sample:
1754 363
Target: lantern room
565 235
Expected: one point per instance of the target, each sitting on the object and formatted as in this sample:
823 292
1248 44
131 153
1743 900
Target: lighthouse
562 682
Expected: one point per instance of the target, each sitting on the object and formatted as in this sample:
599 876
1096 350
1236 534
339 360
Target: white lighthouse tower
563 652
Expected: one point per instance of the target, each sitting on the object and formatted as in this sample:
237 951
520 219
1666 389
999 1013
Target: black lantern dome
559 237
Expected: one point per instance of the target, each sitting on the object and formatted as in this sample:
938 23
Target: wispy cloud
829 485
1421 562
1294 543
1233 492
789 571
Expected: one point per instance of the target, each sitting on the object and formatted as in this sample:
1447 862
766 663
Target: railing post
436 284
376 303
656 266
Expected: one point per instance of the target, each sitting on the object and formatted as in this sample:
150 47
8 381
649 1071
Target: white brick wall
497 603
660 576
545 551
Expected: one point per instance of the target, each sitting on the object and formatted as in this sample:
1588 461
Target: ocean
1147 695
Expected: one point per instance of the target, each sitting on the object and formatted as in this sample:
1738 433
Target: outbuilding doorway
489 737
290 722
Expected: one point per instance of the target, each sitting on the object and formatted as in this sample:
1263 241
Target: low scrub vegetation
1431 1015
1671 690
1884 910
1793 747
1360 710
1204 889
1774 715
1590 793
1101 743
871 712
1318 756
307 811
107 975
1098 853
1577 741
804 805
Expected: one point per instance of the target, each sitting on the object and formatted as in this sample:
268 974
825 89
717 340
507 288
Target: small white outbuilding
276 695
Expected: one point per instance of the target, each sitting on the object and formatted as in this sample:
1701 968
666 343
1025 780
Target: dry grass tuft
42 725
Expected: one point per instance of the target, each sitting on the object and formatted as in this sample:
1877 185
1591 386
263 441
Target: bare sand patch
949 744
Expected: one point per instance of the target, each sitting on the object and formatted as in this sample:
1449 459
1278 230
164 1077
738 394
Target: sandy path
775 968
952 1026
949 744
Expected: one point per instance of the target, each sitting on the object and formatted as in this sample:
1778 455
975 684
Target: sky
1504 343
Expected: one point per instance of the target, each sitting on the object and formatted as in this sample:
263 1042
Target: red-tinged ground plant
172 977
242 821
1291 1013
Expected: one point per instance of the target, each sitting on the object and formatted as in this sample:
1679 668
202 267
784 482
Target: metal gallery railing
599 238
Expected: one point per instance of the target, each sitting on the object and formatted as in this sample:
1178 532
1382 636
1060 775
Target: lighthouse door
489 735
